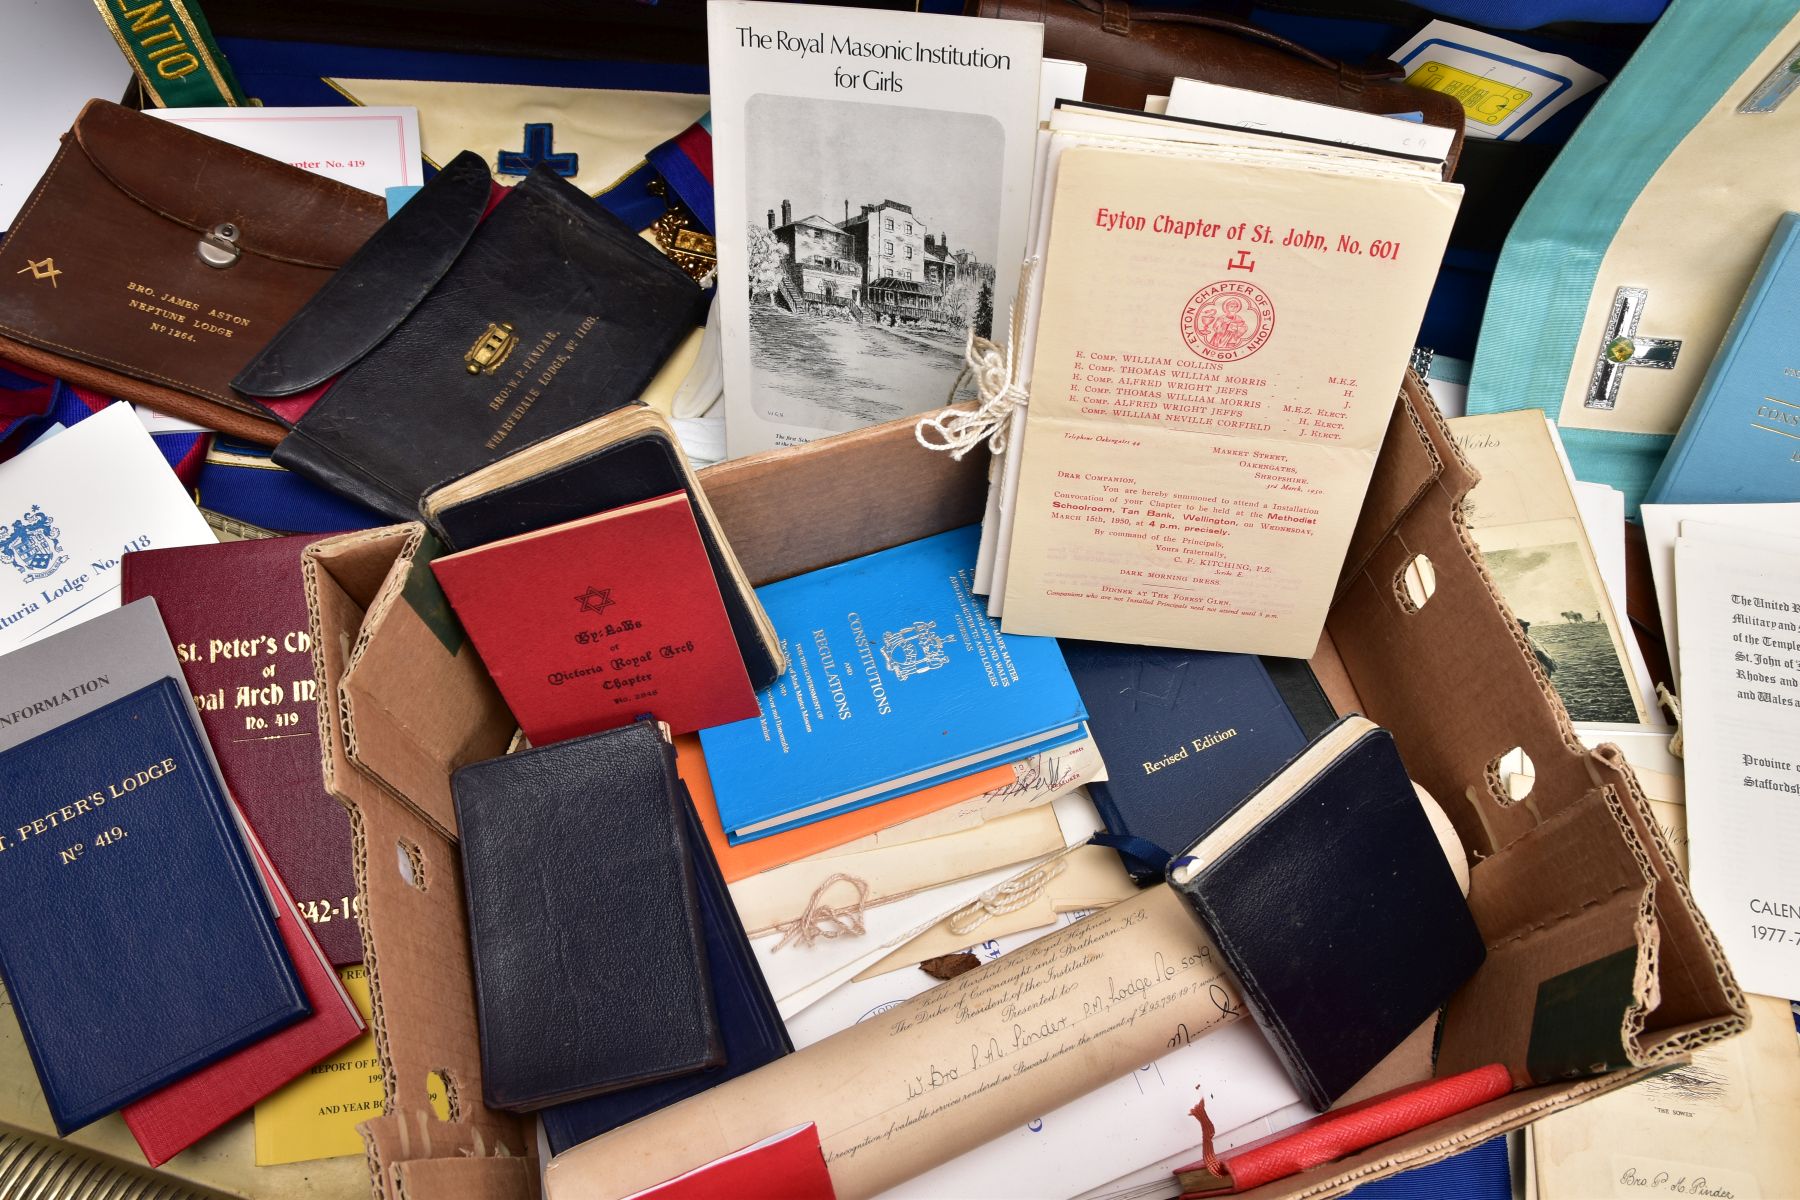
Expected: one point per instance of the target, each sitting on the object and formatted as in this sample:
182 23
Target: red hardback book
236 612
1334 1134
788 1166
591 624
169 1121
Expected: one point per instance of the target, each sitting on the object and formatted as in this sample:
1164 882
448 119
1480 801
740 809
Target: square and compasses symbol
44 268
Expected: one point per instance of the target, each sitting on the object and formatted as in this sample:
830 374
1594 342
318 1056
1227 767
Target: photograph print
873 236
1550 596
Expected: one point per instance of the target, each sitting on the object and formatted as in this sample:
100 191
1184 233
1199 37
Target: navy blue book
750 1025
1328 895
1186 736
897 680
136 941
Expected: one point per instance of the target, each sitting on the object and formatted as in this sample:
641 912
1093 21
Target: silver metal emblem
1621 348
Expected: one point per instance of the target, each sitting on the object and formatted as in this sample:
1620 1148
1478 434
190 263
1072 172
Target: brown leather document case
1133 51
151 263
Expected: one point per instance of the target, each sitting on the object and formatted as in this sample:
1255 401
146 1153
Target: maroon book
236 612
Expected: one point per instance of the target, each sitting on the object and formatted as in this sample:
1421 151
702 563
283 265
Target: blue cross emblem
539 137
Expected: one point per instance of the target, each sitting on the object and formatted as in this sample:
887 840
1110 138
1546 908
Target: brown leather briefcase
1133 51
151 263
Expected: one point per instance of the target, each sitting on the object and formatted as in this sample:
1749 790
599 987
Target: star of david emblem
596 600
45 268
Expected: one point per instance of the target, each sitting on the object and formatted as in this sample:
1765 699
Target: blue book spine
1740 440
898 679
136 940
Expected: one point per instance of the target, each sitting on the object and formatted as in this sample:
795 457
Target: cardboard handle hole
1511 776
412 863
1416 583
441 1092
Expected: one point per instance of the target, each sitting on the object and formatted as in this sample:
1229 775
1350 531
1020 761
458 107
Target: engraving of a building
821 265
881 263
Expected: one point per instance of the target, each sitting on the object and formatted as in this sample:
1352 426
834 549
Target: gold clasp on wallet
219 248
491 348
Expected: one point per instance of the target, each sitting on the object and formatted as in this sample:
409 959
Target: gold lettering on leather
535 372
179 317
96 800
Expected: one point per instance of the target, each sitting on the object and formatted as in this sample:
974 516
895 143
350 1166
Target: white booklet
71 507
1738 626
872 178
366 147
1663 523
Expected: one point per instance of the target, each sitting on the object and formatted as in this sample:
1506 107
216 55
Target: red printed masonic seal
1228 321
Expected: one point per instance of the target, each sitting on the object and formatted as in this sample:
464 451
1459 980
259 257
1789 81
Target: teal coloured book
1740 442
898 680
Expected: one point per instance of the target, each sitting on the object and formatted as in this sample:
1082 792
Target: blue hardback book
1740 440
750 1025
1186 736
897 680
136 940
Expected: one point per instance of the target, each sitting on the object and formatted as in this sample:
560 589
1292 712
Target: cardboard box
1599 968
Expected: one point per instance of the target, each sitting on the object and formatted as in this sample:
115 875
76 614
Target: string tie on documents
822 920
1670 701
994 369
1010 895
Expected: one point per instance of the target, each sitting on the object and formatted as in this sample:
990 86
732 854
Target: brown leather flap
281 212
1133 51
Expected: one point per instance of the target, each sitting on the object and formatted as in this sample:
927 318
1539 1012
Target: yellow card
1482 99
316 1115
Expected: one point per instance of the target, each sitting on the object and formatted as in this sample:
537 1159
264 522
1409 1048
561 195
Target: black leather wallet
748 1018
584 920
465 330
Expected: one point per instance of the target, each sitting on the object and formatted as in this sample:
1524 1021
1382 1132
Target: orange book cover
779 849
